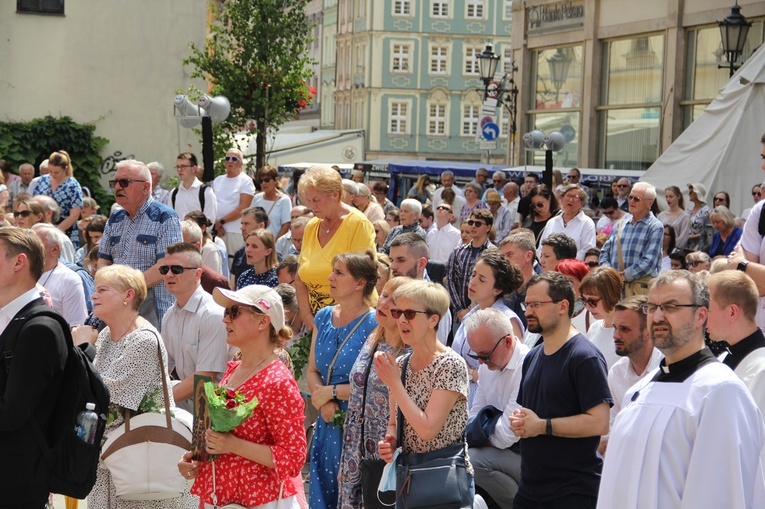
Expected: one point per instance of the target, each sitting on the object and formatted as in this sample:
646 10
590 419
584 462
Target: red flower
230 394
231 404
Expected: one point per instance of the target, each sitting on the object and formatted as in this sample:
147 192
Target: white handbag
142 454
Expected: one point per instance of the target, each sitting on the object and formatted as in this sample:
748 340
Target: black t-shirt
239 263
569 382
538 227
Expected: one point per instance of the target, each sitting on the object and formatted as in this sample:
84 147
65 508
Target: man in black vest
31 385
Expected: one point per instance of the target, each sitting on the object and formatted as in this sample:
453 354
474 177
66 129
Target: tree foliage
33 141
257 56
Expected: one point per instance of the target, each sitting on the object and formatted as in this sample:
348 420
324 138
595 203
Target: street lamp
505 91
553 142
208 111
559 64
733 30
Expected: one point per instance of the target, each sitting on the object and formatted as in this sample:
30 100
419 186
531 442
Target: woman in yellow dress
337 228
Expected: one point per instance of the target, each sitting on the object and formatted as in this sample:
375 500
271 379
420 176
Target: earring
124 303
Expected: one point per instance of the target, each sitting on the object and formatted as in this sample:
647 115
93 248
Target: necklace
327 230
130 326
248 374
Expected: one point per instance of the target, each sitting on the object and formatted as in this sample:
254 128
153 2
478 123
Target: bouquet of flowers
228 408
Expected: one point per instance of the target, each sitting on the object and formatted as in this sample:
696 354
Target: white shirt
500 389
67 293
228 191
187 200
278 210
441 242
437 195
211 256
195 337
502 223
622 376
695 444
284 246
603 338
581 228
10 310
512 207
67 249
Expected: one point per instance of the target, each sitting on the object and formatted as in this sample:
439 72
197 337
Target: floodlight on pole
553 142
208 111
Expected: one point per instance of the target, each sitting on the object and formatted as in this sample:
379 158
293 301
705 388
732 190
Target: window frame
439 59
395 115
470 122
471 60
43 7
404 58
404 8
435 120
478 7
445 5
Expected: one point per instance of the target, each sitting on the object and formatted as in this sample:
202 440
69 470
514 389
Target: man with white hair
447 182
349 186
43 171
210 278
634 247
161 195
138 235
234 191
64 286
52 215
499 179
284 245
409 215
17 187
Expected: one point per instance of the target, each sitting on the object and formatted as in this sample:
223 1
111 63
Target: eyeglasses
235 310
590 302
667 308
695 263
409 314
182 166
622 185
539 204
636 199
476 223
497 181
572 197
723 198
123 182
573 177
485 358
232 158
266 179
176 269
592 265
609 212
23 213
753 194
535 304
443 207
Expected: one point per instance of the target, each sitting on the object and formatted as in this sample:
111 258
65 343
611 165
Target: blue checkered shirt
141 241
641 247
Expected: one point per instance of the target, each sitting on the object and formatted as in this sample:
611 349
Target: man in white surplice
691 436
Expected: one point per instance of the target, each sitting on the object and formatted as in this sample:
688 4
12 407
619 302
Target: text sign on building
555 17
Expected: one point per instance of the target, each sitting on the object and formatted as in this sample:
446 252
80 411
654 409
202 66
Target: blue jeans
573 501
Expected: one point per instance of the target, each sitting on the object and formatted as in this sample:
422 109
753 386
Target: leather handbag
432 479
142 454
372 469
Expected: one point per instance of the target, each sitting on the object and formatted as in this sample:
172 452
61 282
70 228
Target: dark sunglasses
176 269
232 158
753 194
590 302
235 310
409 314
723 198
539 204
443 207
23 213
622 185
476 223
609 212
592 265
485 358
123 182
266 179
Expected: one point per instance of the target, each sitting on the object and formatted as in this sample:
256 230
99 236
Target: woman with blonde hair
727 234
382 229
256 463
337 228
127 360
261 255
421 191
368 403
364 202
60 185
339 334
277 205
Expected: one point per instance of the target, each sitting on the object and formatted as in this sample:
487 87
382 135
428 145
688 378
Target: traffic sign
492 89
490 131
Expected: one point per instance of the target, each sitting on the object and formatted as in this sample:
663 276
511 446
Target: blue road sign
490 132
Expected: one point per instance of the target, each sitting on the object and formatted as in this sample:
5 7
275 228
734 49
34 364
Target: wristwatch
742 265
334 392
222 221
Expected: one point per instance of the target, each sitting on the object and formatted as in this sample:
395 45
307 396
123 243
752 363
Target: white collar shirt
10 310
622 376
67 293
187 200
442 241
581 228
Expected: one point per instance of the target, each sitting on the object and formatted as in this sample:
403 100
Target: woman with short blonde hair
60 185
727 234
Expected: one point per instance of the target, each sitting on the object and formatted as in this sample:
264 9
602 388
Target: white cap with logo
262 298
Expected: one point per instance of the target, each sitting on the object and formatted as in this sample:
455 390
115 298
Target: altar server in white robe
691 436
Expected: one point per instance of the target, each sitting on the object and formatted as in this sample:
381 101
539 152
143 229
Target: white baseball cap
262 298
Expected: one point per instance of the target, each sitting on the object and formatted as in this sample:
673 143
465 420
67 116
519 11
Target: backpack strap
202 189
173 194
761 225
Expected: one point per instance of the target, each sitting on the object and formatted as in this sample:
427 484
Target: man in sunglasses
634 246
692 435
445 237
564 400
193 328
139 233
497 461
234 192
623 189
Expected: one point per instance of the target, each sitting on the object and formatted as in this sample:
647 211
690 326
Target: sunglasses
409 314
176 269
232 158
266 179
539 204
476 223
636 199
485 358
591 303
443 207
123 182
235 310
723 198
23 213
609 212
753 194
592 265
695 263
622 185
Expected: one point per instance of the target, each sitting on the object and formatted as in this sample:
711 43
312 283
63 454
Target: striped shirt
641 247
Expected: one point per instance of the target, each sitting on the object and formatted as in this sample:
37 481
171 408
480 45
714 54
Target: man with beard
633 343
691 436
409 256
565 400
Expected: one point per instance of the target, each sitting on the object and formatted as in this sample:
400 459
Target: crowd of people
582 350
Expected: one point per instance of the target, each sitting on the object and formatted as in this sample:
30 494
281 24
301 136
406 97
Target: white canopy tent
721 148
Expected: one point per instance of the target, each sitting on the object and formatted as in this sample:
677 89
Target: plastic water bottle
87 424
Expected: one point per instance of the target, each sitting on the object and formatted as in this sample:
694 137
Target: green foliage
34 141
256 56
299 352
338 419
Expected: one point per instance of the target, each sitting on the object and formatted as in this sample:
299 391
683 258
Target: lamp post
505 91
559 64
208 111
733 30
553 142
